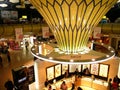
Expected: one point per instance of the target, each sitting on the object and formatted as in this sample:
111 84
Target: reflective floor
18 58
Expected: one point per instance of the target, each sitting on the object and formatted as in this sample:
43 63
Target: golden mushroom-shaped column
72 21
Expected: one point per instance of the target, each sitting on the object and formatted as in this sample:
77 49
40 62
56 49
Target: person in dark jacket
8 57
9 85
1 60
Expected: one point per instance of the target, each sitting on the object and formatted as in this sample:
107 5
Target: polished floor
18 58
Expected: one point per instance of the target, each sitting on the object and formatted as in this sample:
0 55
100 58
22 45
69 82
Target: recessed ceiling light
14 1
118 1
20 6
32 7
50 57
3 5
26 2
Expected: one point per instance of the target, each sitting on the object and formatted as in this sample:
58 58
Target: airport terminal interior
45 43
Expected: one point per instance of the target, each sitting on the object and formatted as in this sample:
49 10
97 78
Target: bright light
24 17
3 5
118 1
14 1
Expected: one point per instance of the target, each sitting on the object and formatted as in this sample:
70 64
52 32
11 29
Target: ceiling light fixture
27 2
3 5
72 22
14 1
32 7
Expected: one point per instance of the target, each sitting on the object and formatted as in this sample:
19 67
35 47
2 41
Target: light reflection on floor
86 88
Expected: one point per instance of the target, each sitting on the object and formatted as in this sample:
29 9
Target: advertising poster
94 69
57 70
103 70
6 14
9 14
64 68
14 14
97 33
45 32
72 67
19 34
50 73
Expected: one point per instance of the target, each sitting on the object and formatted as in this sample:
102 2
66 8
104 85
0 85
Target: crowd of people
63 86
74 84
113 84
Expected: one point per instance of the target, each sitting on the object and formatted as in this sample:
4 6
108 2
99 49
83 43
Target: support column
36 75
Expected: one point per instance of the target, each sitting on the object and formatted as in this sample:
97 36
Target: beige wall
114 65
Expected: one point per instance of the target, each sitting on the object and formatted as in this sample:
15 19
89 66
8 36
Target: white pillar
36 68
119 70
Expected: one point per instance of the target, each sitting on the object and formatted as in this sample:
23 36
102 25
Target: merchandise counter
96 84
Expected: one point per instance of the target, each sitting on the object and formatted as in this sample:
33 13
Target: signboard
94 69
19 34
103 70
50 73
9 14
14 14
64 68
5 14
45 32
57 70
97 33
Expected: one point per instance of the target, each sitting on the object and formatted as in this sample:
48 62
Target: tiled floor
18 58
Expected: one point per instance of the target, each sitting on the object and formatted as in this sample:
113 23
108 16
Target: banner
9 14
19 34
97 33
45 32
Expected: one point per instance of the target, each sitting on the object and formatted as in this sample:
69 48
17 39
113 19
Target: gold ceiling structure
72 21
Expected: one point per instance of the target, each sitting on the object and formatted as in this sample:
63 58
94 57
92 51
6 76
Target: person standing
26 45
46 83
9 85
50 87
1 60
76 71
110 84
73 86
115 85
8 57
66 74
63 86
79 88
